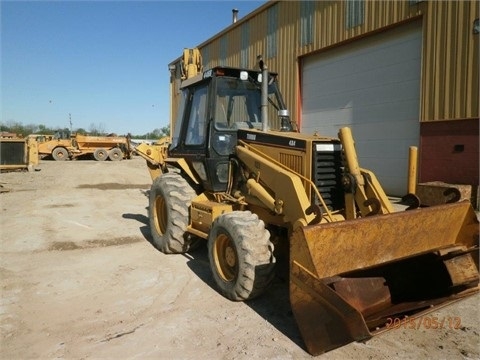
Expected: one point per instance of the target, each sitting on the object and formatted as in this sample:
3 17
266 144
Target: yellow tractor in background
251 191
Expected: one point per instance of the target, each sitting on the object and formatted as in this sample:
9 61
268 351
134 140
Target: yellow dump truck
251 191
102 148
62 146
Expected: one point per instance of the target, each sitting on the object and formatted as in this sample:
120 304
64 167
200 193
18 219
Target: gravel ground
80 279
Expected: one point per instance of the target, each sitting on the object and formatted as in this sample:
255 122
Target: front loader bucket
352 279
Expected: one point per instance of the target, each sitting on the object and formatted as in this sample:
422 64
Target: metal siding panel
450 69
272 26
306 22
205 51
223 51
257 37
285 64
235 46
354 13
245 45
472 69
453 72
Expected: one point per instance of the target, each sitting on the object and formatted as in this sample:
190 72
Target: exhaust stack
264 92
234 15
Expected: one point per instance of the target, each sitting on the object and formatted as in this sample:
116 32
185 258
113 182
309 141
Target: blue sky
103 62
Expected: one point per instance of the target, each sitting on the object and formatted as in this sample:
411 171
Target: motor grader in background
251 191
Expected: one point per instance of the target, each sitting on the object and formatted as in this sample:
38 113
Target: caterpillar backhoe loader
251 191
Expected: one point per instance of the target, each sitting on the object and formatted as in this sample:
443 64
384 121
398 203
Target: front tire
169 202
241 255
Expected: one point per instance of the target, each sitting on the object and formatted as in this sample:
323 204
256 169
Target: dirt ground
80 280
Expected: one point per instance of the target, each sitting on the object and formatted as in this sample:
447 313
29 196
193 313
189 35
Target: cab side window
196 128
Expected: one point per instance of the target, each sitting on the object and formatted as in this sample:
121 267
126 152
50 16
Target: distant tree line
94 130
155 134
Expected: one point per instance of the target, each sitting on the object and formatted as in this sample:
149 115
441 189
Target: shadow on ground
273 305
145 229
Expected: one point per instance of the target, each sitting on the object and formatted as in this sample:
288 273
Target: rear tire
100 154
241 255
60 154
115 154
170 198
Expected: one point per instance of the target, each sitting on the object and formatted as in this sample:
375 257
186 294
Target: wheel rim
160 215
226 259
60 154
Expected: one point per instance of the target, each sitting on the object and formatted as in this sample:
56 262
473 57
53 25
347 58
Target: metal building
399 73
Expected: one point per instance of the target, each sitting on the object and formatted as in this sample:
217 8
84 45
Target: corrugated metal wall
450 65
450 78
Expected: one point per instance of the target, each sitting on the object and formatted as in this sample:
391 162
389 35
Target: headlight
244 75
222 144
222 172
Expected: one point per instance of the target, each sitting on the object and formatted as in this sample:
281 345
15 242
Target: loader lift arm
289 196
362 187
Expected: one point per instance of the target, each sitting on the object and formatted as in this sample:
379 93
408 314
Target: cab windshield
237 104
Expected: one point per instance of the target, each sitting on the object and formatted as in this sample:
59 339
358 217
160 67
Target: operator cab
213 106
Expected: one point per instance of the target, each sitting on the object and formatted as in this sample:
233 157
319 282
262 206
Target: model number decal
251 137
328 147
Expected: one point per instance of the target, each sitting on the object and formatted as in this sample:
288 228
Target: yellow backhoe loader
227 177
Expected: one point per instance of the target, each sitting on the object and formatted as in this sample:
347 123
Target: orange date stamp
425 322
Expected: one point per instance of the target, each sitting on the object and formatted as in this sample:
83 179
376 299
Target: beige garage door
373 86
